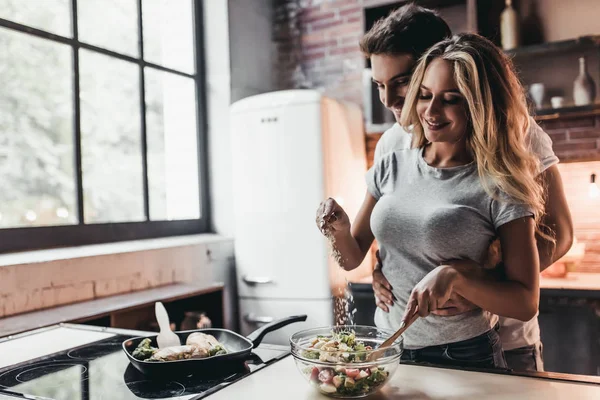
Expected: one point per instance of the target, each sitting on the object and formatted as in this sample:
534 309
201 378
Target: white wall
238 59
251 48
218 96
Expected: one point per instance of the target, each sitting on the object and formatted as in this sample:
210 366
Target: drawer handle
253 319
257 280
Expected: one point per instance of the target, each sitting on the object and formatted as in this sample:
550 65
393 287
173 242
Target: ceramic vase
584 87
537 91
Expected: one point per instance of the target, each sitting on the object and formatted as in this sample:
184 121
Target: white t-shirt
513 333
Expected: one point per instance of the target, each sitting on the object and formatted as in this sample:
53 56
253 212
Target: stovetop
101 371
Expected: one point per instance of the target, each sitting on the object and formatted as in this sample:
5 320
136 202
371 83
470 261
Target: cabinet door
570 330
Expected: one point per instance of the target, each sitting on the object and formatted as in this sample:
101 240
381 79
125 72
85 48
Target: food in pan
206 342
144 350
173 353
198 345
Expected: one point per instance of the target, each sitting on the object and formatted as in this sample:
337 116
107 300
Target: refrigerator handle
257 280
254 319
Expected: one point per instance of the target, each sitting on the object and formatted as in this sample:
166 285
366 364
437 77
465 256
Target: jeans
528 358
483 351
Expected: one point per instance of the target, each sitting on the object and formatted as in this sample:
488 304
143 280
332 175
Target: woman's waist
435 330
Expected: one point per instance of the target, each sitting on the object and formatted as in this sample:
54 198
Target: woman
435 208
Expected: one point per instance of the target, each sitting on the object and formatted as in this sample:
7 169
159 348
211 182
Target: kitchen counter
573 281
276 378
575 284
283 380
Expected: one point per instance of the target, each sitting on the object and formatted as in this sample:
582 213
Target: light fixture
594 189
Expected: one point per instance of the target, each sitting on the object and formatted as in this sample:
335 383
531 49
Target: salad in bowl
338 360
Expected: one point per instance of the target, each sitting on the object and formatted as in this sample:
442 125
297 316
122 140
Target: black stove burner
51 368
31 372
91 353
101 371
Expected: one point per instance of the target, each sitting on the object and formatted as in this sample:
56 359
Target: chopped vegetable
342 348
144 350
217 350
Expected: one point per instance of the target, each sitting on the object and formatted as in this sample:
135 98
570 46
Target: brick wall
575 138
320 39
37 285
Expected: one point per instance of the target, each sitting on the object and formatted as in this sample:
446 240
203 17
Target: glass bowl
343 373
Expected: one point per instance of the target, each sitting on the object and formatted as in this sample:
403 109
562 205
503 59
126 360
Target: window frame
44 237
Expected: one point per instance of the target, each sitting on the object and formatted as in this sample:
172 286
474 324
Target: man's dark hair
411 29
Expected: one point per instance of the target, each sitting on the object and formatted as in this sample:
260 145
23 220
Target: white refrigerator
292 149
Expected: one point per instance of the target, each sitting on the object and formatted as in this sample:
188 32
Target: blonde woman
434 209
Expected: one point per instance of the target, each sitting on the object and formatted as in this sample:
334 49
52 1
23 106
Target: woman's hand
331 218
432 293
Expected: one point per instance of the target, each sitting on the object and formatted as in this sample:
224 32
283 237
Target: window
101 121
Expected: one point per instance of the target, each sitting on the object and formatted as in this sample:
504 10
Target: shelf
556 47
87 310
567 112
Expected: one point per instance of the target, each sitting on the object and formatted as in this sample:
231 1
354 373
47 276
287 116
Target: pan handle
257 336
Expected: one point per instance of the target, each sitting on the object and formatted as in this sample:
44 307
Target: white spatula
166 337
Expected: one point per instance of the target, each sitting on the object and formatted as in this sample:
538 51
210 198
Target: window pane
36 132
168 33
172 140
49 15
110 24
110 139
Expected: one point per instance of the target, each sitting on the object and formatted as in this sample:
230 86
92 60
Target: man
394 45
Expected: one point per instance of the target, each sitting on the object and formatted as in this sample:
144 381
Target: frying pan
238 347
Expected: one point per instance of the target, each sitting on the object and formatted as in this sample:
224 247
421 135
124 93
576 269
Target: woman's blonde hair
498 119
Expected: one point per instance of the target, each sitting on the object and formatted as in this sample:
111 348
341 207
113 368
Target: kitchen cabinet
570 330
128 311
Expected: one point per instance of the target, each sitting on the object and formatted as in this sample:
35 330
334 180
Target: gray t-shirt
423 217
513 333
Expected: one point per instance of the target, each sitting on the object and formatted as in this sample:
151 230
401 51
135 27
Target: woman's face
441 108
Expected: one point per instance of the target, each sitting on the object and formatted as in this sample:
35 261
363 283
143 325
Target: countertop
583 283
282 380
573 281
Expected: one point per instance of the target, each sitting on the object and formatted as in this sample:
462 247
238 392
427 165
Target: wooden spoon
388 342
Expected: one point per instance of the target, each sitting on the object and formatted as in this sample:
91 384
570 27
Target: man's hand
454 306
381 287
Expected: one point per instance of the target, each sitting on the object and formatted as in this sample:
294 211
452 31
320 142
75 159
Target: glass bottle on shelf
509 27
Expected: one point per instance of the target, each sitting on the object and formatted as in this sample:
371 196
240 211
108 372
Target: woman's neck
445 155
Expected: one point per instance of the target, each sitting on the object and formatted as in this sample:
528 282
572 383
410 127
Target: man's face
392 75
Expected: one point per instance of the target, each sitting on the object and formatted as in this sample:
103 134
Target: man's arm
517 296
557 217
